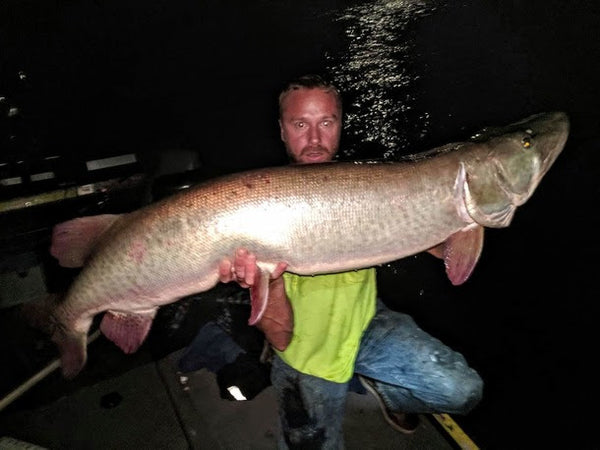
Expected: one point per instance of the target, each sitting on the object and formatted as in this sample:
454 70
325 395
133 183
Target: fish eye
526 142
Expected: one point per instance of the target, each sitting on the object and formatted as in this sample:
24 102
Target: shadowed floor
152 405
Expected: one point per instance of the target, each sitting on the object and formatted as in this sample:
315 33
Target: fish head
506 164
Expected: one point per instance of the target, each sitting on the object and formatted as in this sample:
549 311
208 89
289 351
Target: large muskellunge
318 218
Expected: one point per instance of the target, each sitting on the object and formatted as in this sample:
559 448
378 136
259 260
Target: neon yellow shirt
331 312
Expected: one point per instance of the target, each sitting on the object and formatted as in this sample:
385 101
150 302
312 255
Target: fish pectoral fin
127 330
74 240
259 295
437 251
461 253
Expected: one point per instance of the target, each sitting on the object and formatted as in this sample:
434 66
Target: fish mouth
557 128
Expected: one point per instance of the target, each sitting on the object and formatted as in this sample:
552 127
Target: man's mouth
315 154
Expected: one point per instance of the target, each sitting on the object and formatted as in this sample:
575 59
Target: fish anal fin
74 240
127 330
461 253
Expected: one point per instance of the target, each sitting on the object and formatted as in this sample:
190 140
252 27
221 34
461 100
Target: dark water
115 77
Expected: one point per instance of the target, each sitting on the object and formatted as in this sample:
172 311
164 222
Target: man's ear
281 131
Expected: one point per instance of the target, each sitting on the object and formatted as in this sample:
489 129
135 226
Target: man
326 328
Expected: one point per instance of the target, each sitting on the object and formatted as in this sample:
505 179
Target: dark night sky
121 76
147 76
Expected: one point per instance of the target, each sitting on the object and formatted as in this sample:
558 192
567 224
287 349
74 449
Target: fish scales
347 208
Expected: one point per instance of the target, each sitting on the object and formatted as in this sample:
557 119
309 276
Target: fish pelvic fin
273 315
127 330
74 240
259 295
461 252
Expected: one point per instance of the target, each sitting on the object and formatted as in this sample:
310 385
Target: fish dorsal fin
127 330
461 253
74 240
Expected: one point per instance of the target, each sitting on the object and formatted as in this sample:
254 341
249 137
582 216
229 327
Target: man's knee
467 394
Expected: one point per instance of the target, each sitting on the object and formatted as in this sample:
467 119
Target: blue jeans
413 372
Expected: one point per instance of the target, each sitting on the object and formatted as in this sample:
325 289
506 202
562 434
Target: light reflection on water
377 77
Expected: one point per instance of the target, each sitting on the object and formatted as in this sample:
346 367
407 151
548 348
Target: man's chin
316 157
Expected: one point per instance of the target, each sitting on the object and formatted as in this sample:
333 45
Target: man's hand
243 269
277 322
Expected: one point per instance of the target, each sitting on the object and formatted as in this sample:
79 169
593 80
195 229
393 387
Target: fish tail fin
72 346
127 330
74 240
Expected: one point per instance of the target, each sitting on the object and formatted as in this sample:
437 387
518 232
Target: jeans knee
467 394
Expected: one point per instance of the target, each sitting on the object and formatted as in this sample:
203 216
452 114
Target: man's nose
314 135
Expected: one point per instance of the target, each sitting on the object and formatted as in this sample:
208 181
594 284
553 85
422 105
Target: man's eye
300 124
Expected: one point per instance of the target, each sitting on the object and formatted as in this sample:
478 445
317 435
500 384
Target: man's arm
277 322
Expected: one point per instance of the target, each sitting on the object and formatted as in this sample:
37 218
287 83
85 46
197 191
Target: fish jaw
519 156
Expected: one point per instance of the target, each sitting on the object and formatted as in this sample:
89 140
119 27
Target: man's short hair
310 81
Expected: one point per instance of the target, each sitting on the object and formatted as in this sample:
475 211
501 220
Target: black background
107 78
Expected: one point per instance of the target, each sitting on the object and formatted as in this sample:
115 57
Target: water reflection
377 75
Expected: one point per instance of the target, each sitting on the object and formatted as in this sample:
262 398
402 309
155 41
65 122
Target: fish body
317 218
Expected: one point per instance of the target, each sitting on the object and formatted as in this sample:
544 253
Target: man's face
310 125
